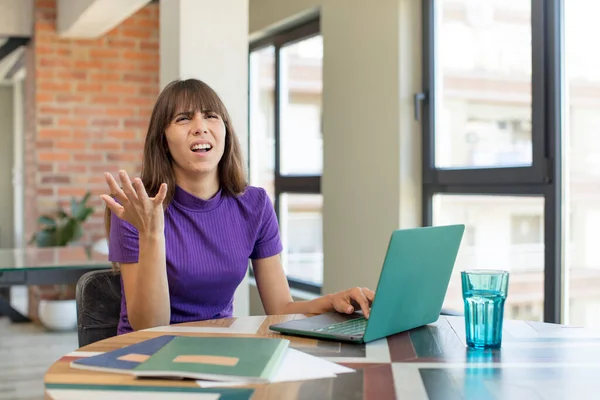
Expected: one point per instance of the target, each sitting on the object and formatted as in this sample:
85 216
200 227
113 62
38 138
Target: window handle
418 98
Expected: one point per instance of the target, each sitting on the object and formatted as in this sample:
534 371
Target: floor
26 352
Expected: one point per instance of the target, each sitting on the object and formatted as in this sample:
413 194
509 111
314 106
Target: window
582 155
262 119
527 229
489 242
302 236
491 142
286 146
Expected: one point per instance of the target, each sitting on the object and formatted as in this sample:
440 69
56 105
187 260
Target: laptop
411 289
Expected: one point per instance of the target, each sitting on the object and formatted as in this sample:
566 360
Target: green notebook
216 358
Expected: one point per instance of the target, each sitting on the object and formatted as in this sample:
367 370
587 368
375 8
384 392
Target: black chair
98 298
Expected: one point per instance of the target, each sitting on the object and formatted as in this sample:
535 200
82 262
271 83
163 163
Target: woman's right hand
145 213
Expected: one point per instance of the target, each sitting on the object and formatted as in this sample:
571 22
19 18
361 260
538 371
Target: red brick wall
91 105
93 101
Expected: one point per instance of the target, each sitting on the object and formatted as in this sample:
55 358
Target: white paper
77 394
295 366
523 330
84 354
246 325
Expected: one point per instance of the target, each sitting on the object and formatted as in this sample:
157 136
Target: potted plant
62 229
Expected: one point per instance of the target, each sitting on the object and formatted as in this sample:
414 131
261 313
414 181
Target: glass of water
484 293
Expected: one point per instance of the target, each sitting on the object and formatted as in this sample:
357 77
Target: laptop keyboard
350 327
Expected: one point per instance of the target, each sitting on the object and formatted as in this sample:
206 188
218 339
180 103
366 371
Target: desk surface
34 258
537 360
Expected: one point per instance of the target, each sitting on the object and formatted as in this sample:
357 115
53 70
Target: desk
537 360
44 266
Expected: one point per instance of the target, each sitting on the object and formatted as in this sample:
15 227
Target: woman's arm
276 297
145 285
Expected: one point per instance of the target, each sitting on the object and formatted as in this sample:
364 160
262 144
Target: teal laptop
411 289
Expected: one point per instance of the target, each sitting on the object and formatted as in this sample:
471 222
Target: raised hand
134 205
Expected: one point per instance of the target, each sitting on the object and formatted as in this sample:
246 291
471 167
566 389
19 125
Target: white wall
208 40
16 18
369 137
266 15
371 171
93 18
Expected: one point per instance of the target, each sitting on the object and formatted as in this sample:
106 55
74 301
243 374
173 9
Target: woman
183 233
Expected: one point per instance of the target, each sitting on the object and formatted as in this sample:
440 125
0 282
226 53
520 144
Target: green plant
62 229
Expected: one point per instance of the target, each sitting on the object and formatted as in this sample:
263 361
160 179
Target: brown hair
179 96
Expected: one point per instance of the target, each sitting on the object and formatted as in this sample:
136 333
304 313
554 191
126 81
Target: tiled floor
26 352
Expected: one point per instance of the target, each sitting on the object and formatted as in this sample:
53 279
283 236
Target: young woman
183 233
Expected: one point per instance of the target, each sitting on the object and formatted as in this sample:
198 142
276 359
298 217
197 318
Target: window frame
286 184
544 177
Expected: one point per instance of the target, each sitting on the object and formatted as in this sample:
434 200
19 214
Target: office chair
98 299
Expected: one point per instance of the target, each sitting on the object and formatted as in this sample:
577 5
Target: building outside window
286 145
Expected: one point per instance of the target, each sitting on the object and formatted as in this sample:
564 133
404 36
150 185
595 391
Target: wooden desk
44 266
541 361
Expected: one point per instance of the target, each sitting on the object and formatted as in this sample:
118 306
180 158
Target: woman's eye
182 118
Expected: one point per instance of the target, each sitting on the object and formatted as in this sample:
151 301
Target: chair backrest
98 297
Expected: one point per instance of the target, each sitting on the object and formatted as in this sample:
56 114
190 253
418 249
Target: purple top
208 244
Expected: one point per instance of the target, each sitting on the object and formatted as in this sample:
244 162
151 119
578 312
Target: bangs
193 96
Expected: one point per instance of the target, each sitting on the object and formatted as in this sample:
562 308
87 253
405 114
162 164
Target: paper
524 330
295 366
81 354
74 394
246 325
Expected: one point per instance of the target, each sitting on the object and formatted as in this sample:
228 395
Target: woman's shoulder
253 196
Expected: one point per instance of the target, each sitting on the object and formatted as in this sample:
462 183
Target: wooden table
537 361
44 266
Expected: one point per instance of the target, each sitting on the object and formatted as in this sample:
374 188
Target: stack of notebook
223 359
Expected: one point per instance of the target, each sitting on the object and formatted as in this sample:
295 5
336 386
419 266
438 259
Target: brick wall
92 102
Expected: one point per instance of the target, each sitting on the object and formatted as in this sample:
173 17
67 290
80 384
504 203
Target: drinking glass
484 293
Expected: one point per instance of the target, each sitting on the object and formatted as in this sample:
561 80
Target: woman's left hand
348 300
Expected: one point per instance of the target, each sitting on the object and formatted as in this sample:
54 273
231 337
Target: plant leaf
86 213
46 220
77 232
65 228
70 232
80 211
74 207
46 238
86 198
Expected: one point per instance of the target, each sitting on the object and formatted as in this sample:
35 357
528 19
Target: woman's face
196 141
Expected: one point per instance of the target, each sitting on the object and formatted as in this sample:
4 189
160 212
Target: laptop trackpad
319 321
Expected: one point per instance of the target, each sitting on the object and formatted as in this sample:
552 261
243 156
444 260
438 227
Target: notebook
205 358
123 360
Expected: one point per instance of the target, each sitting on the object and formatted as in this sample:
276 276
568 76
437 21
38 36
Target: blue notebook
123 360
209 358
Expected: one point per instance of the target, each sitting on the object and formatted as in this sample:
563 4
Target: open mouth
201 148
